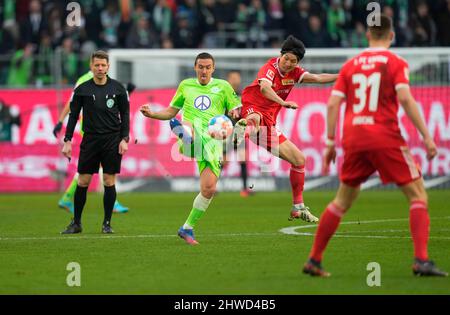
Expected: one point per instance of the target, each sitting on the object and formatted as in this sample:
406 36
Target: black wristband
127 139
67 139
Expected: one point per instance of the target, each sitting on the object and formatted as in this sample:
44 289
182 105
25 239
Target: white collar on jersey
278 67
210 81
375 49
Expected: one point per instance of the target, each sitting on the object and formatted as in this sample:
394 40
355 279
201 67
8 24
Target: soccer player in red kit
371 83
262 101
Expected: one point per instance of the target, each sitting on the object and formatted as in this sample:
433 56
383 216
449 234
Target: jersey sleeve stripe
301 77
338 93
401 86
264 79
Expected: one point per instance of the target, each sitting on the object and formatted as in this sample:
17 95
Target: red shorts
393 164
269 135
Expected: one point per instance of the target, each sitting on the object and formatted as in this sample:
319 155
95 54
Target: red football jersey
369 83
281 84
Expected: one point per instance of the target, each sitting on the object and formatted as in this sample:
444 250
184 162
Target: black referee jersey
106 109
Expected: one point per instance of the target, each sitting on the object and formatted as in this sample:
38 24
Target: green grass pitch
241 251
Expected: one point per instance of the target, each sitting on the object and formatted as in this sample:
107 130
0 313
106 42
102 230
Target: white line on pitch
292 230
93 237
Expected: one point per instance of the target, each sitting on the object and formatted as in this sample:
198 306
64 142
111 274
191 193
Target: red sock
419 224
297 179
328 224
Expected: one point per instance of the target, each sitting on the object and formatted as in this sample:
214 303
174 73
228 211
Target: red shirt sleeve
340 86
400 72
300 73
267 72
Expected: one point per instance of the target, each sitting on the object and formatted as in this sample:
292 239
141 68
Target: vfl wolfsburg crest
110 103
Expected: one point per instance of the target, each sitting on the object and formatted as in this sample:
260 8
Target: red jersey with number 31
281 84
369 83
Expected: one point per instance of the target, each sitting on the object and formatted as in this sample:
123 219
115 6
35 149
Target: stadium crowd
33 32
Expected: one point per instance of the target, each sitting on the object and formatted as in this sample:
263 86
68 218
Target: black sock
244 174
79 202
109 198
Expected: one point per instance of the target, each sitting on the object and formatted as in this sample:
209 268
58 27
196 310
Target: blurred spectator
423 26
184 36
110 19
162 18
297 23
256 23
55 26
336 22
7 120
208 24
443 24
34 24
69 61
142 35
316 35
92 10
275 15
357 37
43 71
227 16
241 36
21 67
166 43
199 23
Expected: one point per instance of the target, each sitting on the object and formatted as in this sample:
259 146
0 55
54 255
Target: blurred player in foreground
66 201
371 83
201 99
262 101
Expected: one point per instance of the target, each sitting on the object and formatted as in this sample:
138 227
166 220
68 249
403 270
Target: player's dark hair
204 55
100 54
293 45
383 29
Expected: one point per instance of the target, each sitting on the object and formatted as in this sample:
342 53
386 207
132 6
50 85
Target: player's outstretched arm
410 106
319 78
266 90
165 114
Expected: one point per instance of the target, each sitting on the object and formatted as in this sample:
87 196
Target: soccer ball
220 127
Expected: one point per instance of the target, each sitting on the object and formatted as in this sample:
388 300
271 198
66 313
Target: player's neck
101 81
379 44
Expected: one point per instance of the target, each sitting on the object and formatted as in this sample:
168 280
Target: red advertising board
32 162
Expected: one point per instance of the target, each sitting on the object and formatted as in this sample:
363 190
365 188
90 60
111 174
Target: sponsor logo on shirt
288 82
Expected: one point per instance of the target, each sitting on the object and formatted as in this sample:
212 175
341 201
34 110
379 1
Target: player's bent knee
299 159
208 191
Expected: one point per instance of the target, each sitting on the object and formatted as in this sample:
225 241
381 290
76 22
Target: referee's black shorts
96 149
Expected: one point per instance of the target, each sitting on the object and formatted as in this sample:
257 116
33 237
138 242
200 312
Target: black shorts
100 149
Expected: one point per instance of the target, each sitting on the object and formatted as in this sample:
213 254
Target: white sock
299 206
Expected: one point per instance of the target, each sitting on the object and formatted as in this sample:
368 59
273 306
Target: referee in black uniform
106 125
